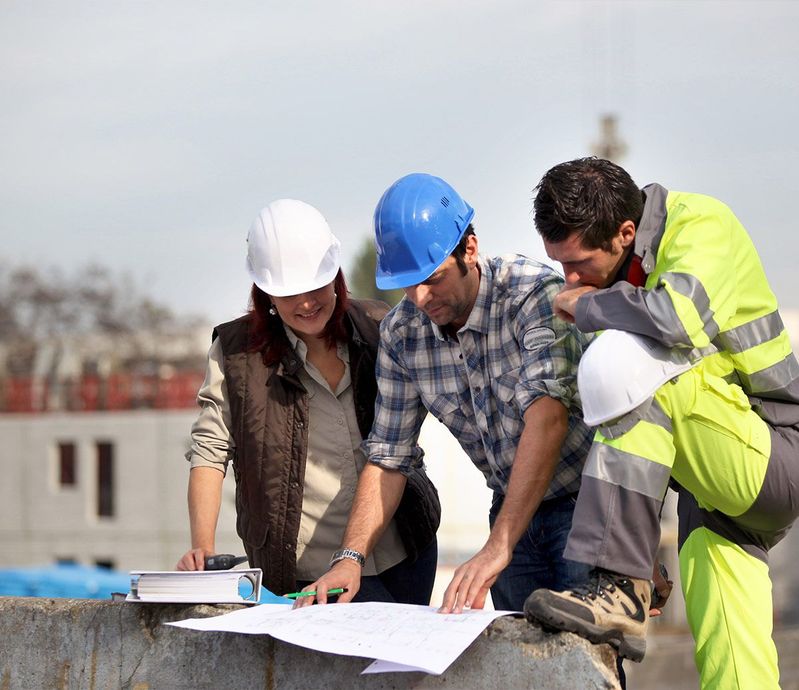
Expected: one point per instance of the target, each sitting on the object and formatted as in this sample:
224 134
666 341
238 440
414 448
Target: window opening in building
67 464
106 563
105 479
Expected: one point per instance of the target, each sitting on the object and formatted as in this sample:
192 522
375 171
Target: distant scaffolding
96 372
115 392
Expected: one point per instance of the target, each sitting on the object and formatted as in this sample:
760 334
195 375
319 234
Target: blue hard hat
419 220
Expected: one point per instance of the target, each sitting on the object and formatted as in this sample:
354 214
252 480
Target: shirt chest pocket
504 388
446 408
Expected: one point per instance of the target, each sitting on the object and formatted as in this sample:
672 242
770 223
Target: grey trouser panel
770 517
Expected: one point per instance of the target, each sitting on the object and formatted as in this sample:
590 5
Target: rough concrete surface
87 644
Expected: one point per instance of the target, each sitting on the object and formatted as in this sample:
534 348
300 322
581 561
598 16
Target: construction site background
135 391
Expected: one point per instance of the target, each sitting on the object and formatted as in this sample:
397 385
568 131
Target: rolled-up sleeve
212 444
550 350
399 413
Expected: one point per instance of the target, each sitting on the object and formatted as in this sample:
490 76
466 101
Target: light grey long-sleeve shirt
334 460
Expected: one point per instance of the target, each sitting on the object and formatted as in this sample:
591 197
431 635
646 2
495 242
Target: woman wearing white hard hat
288 398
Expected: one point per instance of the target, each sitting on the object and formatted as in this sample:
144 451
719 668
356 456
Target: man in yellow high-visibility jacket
681 270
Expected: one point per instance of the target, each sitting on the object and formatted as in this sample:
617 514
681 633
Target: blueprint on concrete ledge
401 637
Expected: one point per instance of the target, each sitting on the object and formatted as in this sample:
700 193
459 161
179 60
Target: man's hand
565 302
663 589
345 573
193 560
472 580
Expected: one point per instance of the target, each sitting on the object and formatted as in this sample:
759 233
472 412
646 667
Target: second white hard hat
620 371
291 249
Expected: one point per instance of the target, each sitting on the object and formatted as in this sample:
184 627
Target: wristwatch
350 554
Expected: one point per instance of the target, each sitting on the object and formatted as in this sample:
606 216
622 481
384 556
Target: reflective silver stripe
657 415
648 411
748 335
773 379
701 352
689 286
661 309
628 471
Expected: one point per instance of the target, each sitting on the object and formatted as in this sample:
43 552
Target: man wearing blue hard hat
475 343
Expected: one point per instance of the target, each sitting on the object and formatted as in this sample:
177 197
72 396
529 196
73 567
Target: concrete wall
82 644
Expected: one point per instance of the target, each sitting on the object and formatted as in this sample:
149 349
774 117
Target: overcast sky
146 136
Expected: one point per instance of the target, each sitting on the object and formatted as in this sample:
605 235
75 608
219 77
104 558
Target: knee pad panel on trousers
777 504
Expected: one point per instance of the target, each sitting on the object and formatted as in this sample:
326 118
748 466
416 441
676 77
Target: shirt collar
301 349
297 344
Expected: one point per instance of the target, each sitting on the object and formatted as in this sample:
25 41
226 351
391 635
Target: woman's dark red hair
268 336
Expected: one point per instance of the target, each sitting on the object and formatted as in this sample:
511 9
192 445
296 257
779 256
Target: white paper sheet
412 636
380 666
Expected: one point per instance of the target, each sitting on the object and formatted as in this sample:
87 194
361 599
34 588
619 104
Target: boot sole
632 647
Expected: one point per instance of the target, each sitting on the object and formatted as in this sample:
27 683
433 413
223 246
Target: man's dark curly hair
459 253
590 196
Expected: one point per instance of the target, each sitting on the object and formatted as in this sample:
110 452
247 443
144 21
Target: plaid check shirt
511 351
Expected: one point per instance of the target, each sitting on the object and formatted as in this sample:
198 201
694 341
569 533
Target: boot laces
600 584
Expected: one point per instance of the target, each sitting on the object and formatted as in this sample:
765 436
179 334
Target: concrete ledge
77 643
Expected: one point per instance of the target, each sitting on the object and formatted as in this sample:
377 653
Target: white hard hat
620 371
291 249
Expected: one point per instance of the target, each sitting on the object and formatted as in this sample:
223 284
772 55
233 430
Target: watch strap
350 554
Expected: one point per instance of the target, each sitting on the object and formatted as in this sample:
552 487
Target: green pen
294 595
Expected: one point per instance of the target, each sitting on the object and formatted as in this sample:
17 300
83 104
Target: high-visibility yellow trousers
735 474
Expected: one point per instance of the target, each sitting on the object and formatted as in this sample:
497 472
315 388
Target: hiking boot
609 608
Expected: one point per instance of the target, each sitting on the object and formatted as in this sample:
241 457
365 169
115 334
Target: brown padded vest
269 423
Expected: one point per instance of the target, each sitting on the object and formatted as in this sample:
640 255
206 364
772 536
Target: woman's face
307 314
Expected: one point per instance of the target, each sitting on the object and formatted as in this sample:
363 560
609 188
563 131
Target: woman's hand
193 560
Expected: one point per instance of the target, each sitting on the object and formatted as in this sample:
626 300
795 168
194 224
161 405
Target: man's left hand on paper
472 580
346 573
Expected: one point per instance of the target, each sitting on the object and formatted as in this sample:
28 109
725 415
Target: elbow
549 415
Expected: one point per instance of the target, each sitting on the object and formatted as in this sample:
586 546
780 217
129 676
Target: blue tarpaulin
70 581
